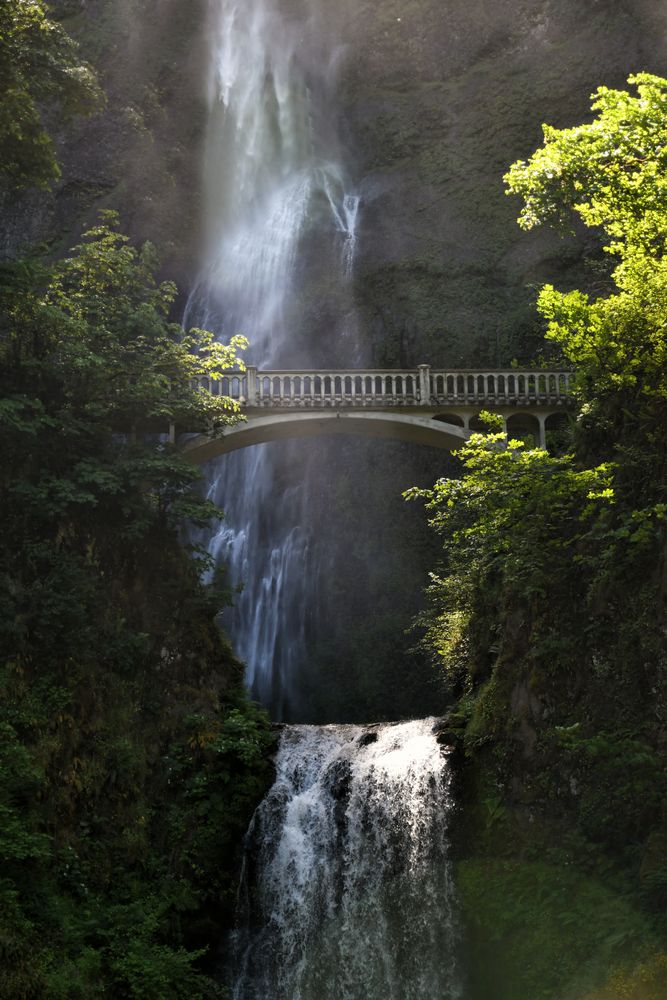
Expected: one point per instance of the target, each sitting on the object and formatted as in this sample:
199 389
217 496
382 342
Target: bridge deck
435 408
384 388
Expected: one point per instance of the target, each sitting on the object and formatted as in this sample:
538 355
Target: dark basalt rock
339 776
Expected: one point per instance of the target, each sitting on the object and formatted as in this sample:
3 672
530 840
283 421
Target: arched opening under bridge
279 426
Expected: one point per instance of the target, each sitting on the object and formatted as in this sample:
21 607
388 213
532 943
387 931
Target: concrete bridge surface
424 406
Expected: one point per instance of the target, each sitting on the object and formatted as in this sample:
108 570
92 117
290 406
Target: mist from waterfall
274 176
347 890
348 886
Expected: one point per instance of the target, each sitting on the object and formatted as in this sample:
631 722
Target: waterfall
348 888
274 181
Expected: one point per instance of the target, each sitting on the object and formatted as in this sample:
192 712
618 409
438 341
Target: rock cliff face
439 98
141 154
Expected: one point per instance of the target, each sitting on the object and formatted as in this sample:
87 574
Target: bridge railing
391 387
501 386
338 388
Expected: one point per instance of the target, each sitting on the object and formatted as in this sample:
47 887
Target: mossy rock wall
141 153
439 98
435 101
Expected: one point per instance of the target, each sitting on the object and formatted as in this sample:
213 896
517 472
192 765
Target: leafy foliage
612 173
543 931
516 517
646 982
39 66
130 761
547 611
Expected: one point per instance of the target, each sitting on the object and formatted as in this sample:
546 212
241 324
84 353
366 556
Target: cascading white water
273 176
348 888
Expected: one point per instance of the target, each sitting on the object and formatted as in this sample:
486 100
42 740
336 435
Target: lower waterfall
347 891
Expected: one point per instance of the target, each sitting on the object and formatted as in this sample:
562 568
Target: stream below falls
347 887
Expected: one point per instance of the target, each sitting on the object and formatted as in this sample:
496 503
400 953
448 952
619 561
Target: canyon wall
435 101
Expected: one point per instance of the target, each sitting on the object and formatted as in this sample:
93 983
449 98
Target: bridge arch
454 419
525 425
280 426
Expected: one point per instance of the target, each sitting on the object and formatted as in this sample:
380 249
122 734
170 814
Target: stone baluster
251 390
424 384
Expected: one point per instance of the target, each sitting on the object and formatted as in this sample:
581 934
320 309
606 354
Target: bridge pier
542 421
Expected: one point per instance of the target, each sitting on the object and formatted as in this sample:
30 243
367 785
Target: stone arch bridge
423 406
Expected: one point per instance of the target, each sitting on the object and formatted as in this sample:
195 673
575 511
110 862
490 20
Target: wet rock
338 780
448 732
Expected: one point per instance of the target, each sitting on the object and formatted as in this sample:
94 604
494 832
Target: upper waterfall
272 167
278 202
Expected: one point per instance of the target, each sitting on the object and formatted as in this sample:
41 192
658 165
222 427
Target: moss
543 931
647 981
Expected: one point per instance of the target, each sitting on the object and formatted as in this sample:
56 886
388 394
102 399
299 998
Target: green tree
39 67
547 610
130 758
92 369
612 174
515 509
515 520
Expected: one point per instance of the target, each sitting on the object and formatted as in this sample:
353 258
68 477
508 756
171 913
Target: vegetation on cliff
40 67
548 610
130 759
